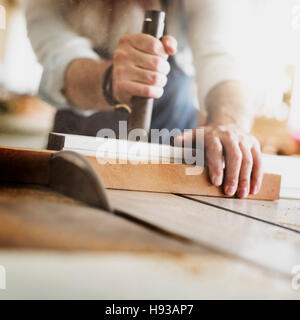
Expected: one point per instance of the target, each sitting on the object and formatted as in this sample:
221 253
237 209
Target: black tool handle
141 116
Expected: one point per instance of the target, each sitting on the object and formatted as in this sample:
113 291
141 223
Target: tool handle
142 108
24 166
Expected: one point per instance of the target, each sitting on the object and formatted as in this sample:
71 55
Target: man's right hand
140 66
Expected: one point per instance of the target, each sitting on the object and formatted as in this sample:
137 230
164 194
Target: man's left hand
242 156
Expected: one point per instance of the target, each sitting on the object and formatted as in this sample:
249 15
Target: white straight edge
123 149
290 193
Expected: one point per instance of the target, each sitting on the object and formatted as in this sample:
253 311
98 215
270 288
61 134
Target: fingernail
168 43
243 193
217 181
254 190
230 190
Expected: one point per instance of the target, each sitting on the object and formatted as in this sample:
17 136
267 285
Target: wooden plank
140 166
158 177
253 240
285 213
171 178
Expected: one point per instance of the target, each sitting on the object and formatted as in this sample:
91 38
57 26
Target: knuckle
120 55
229 135
158 80
216 170
247 161
155 79
153 46
156 64
217 148
123 39
236 156
146 91
231 181
244 182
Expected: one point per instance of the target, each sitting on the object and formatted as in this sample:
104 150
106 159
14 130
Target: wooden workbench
155 246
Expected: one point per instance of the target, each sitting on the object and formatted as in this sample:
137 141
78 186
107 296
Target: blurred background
273 48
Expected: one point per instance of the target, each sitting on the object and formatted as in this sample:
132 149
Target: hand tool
141 114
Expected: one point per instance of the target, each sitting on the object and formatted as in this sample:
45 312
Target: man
85 43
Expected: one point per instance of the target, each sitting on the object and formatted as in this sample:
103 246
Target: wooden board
259 242
151 167
159 177
285 213
172 178
110 257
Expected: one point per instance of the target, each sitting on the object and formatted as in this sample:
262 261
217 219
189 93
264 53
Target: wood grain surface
259 242
172 178
37 218
118 258
285 213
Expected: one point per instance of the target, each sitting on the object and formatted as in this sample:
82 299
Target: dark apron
175 110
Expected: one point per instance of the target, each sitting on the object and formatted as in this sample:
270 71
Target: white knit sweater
211 29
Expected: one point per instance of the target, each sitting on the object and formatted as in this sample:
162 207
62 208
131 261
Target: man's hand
140 69
227 141
239 151
243 169
141 66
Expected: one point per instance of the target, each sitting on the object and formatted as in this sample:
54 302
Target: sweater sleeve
55 46
216 34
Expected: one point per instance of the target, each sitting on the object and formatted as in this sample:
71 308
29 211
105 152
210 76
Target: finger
214 160
145 61
140 90
245 172
170 45
146 77
146 44
233 161
257 172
